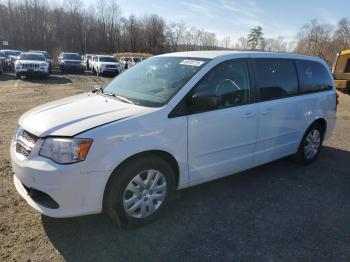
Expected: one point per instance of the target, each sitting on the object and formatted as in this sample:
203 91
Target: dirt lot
277 212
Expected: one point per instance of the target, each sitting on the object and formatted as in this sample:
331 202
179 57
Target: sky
234 18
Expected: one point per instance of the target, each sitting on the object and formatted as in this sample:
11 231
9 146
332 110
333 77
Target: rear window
275 78
347 68
71 56
313 76
107 59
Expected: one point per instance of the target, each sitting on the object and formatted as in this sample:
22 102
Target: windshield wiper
124 99
121 98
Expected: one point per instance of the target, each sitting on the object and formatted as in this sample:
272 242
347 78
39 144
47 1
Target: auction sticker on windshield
191 62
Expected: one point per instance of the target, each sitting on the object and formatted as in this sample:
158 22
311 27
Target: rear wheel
139 191
311 144
18 76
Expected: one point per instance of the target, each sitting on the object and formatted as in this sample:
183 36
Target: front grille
25 142
111 66
30 66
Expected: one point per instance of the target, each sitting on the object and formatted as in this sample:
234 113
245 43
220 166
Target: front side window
347 68
275 78
229 81
155 81
313 76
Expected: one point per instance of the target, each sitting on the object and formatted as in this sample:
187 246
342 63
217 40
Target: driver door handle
266 111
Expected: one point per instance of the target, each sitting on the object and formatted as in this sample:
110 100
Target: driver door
222 141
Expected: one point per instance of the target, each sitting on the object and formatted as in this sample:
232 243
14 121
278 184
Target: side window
275 78
229 81
313 76
347 68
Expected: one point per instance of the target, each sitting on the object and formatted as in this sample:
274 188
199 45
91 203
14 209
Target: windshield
137 59
107 59
127 59
71 57
2 54
8 53
155 81
36 57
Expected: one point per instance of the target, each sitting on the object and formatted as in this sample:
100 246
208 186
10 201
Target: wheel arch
169 158
322 122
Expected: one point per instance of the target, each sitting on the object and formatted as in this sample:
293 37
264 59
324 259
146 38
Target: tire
18 76
117 194
311 144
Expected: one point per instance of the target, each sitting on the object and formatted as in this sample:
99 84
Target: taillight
336 100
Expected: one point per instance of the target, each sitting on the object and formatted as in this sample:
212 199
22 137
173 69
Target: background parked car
47 57
31 64
87 61
10 58
70 62
106 64
127 62
2 61
137 60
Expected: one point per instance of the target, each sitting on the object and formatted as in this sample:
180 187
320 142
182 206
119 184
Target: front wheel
311 144
138 192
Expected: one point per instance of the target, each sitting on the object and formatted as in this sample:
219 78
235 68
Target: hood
108 63
76 114
31 62
70 61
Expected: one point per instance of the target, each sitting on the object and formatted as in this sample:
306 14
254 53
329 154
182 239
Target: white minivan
170 122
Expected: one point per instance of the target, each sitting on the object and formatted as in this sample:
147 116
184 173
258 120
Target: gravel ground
277 212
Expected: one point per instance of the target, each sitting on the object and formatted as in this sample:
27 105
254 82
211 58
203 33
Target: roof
256 54
345 52
32 53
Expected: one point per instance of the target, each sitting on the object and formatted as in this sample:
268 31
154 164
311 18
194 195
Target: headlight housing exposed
65 150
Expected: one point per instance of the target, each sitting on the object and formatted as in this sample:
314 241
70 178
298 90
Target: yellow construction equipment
341 70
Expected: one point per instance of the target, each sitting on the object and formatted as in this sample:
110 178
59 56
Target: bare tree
342 34
174 34
226 42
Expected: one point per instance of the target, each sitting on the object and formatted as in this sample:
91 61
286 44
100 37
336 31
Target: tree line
101 28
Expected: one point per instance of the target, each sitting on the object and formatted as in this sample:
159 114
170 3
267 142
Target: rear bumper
72 67
110 71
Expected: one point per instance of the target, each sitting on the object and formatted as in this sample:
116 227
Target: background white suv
105 65
32 64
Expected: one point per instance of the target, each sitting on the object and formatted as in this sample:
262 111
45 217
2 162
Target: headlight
18 62
65 150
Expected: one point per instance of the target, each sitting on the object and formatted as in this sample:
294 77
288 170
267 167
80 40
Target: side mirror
204 101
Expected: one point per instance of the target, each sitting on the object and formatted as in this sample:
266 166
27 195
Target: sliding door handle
248 115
